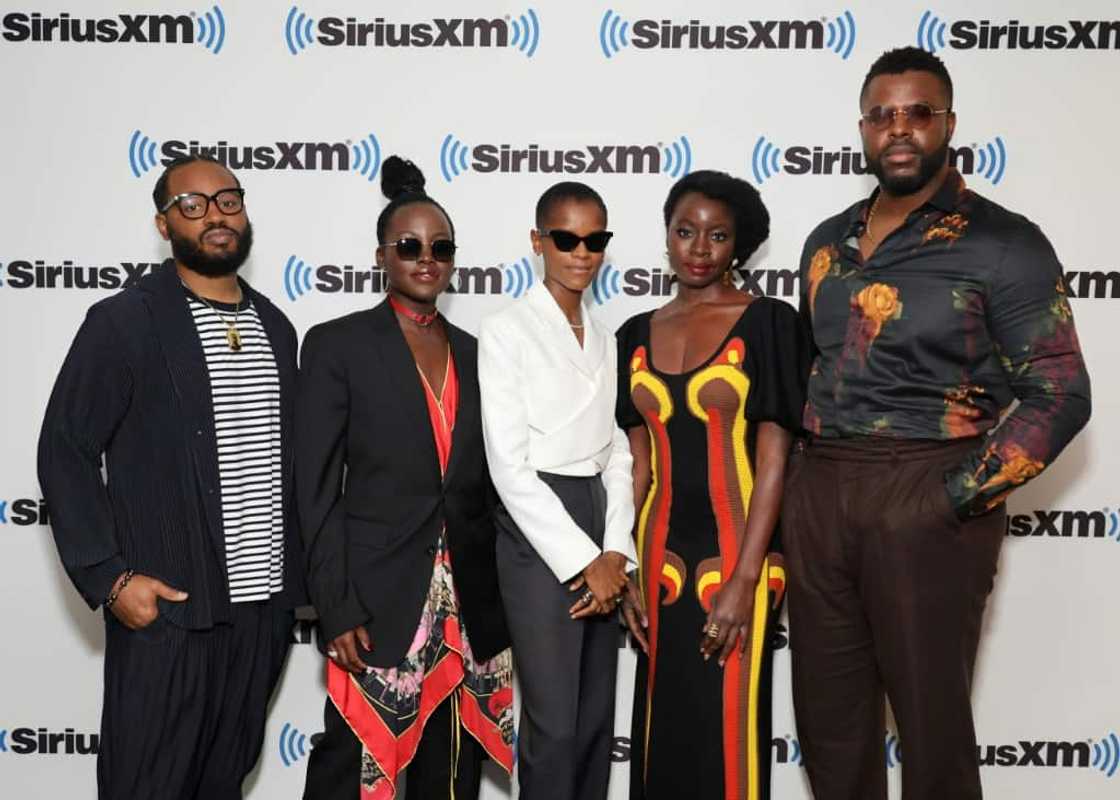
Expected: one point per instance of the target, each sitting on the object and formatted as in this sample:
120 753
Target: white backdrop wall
305 113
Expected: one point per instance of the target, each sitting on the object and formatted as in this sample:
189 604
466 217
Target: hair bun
400 176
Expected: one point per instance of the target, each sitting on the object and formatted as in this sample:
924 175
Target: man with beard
932 309
184 384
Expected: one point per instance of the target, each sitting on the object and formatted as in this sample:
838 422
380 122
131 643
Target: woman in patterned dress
710 392
397 513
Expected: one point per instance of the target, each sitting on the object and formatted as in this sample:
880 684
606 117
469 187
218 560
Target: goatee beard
188 253
902 185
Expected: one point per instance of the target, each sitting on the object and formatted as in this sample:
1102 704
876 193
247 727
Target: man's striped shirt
245 387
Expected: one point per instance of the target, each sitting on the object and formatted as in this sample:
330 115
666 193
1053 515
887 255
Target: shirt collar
946 199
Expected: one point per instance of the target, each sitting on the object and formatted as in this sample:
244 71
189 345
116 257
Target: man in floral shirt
932 310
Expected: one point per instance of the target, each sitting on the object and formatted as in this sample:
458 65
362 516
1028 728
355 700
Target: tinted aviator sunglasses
566 241
919 115
409 249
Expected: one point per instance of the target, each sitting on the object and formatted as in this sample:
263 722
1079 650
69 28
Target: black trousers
566 668
333 772
886 596
184 710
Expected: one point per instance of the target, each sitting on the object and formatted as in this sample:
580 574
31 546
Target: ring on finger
587 597
712 631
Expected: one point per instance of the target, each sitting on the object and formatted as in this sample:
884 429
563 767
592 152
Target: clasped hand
605 580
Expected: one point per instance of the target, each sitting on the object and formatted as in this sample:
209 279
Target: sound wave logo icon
519 277
613 30
293 745
893 748
1114 526
793 750
211 29
298 29
678 158
4 740
607 284
764 160
526 33
931 32
141 153
991 160
1106 754
367 157
297 278
452 158
842 35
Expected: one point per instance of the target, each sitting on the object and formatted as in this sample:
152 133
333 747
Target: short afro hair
752 220
564 191
908 59
159 193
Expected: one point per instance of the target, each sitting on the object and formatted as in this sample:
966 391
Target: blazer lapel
468 414
403 382
186 364
557 328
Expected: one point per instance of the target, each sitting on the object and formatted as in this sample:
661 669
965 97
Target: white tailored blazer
549 405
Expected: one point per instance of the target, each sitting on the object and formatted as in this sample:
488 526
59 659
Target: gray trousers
565 668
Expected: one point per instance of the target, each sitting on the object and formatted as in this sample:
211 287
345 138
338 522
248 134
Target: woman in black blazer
395 497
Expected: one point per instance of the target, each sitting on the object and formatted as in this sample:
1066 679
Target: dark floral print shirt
959 311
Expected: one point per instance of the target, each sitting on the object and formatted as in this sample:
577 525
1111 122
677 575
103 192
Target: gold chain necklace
233 335
870 217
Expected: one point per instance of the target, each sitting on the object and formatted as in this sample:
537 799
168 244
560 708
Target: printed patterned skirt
388 708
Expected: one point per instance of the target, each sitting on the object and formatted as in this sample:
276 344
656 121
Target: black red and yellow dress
387 709
701 731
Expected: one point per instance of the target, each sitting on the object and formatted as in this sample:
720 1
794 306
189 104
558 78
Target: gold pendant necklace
233 335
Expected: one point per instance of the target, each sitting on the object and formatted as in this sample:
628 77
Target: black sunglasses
410 248
566 241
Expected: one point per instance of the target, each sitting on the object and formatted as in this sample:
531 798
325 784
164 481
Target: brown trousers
887 591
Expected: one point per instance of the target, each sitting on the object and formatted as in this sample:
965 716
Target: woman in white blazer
562 469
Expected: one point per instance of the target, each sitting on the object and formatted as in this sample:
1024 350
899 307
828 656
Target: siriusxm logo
294 745
837 34
989 160
787 750
361 155
1102 755
206 28
301 278
40 741
24 511
1103 524
673 159
1094 284
519 32
969 34
21 274
612 281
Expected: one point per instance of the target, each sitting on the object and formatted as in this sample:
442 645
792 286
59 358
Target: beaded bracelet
117 592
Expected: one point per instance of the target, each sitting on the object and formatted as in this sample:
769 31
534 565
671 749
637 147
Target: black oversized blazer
370 495
135 390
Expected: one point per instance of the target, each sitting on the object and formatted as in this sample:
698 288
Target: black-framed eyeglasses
195 205
409 249
566 241
919 115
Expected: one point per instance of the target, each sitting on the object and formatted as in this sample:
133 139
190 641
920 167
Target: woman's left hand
729 620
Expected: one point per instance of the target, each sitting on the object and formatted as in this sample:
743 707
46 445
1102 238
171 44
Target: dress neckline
706 362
